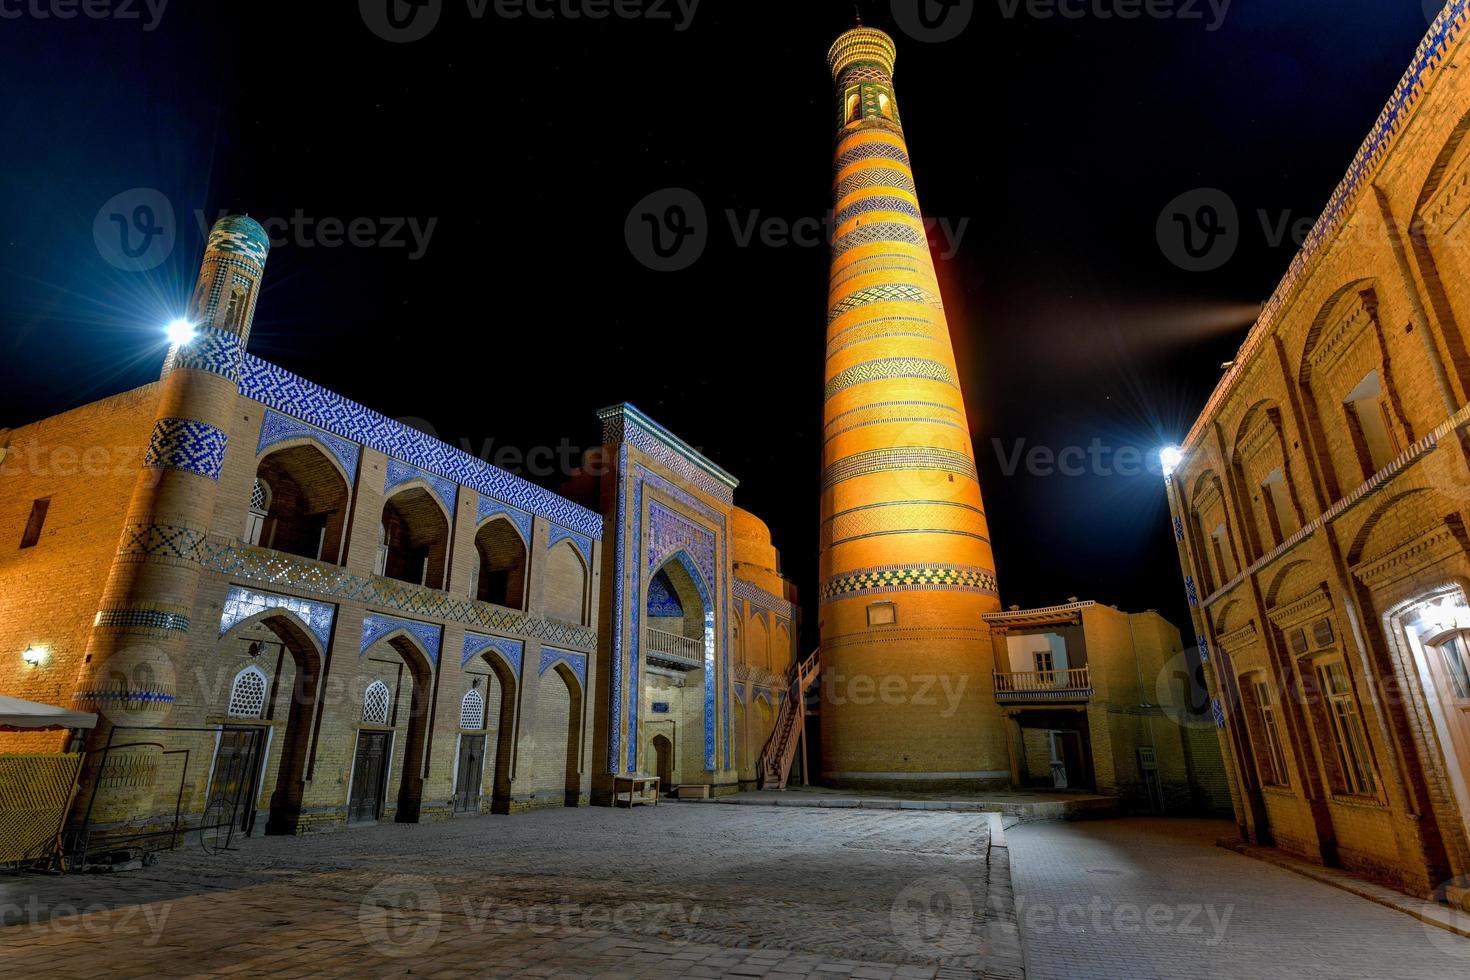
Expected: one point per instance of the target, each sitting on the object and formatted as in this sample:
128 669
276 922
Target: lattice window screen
375 702
472 711
247 694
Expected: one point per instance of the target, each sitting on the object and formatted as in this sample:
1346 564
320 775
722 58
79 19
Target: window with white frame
247 694
1455 654
1347 729
376 701
260 505
472 711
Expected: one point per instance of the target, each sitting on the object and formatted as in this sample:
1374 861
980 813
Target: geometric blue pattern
1191 590
576 661
277 428
375 626
1217 710
278 388
513 651
400 473
240 234
490 507
241 604
583 543
663 602
212 349
1178 529
1204 648
188 446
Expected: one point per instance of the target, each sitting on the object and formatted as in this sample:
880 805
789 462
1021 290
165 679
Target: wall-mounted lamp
33 656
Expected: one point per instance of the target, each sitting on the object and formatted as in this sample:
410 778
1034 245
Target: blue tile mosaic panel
400 473
576 661
512 651
375 626
241 604
490 508
276 429
583 543
187 446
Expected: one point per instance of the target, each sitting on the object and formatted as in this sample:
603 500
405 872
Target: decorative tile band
1217 711
890 368
400 473
885 177
276 429
130 697
876 150
187 446
1191 590
213 350
148 617
904 517
896 292
513 651
1179 529
868 205
910 578
278 388
1204 648
576 661
376 626
273 568
759 598
242 604
899 458
880 231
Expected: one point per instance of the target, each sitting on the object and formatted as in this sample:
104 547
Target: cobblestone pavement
1155 898
675 890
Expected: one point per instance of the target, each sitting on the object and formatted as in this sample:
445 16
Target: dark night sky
1061 141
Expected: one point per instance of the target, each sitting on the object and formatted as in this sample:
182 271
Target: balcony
1044 685
672 650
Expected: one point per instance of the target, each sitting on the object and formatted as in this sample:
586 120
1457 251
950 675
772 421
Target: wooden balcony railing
1045 685
671 648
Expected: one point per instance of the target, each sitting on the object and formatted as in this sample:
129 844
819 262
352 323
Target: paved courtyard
676 890
1153 898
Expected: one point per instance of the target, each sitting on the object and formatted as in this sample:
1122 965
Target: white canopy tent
17 715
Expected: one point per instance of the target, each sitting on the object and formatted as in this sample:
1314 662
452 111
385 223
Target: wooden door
368 770
471 774
1449 663
233 784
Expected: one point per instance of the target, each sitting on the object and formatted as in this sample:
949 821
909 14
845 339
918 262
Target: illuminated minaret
907 569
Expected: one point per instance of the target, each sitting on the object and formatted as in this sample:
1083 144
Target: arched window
472 711
247 694
375 702
260 506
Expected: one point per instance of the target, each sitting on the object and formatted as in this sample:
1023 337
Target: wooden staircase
776 758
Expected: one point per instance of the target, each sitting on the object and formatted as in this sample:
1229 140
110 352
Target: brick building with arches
293 613
1320 507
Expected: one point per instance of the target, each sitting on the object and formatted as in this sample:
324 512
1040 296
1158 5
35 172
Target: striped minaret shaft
906 563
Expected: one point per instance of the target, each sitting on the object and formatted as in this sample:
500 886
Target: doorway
470 774
233 784
365 802
663 760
